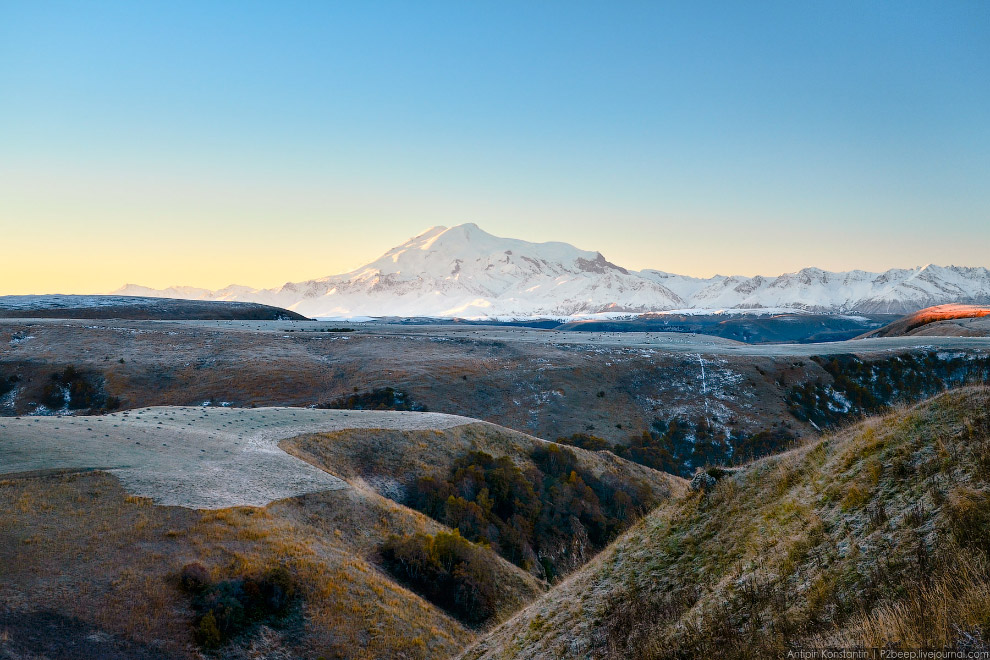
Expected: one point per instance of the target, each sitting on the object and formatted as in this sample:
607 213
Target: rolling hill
169 532
138 308
940 321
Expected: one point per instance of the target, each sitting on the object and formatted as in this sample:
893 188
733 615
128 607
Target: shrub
585 441
448 570
228 608
193 578
544 518
207 633
385 398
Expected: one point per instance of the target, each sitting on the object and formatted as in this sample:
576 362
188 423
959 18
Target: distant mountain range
466 272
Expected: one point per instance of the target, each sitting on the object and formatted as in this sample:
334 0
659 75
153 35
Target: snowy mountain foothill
465 272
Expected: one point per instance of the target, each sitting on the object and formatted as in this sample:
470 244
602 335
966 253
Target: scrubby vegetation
878 537
228 608
120 557
858 387
680 446
385 398
861 387
76 390
546 518
7 383
449 571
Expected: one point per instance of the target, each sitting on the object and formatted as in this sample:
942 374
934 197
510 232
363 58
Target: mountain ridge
463 271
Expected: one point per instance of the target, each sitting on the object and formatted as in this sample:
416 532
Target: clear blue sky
258 142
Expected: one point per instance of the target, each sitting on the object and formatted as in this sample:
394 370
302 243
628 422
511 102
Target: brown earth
540 382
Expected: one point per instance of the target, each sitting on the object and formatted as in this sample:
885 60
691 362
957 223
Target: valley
214 493
872 537
383 490
731 401
494 331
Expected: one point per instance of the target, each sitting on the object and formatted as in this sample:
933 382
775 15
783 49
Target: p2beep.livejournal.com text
887 654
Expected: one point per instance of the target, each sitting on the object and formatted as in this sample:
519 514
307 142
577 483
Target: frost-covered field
664 342
203 458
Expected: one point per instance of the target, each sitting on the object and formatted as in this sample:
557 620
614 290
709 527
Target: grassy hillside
329 574
543 507
76 545
877 535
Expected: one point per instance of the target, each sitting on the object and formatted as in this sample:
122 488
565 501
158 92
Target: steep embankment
875 536
940 321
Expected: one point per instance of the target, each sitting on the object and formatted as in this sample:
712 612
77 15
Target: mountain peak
465 271
468 232
468 228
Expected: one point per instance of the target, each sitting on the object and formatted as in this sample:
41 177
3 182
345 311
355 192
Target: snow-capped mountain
465 272
896 291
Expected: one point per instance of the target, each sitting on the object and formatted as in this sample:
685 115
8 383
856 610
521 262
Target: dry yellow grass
876 535
78 545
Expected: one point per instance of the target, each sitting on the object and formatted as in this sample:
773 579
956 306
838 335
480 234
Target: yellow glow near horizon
204 144
90 257
63 234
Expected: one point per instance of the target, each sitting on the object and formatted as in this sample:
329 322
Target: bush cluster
448 570
385 398
76 390
679 446
227 608
543 518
